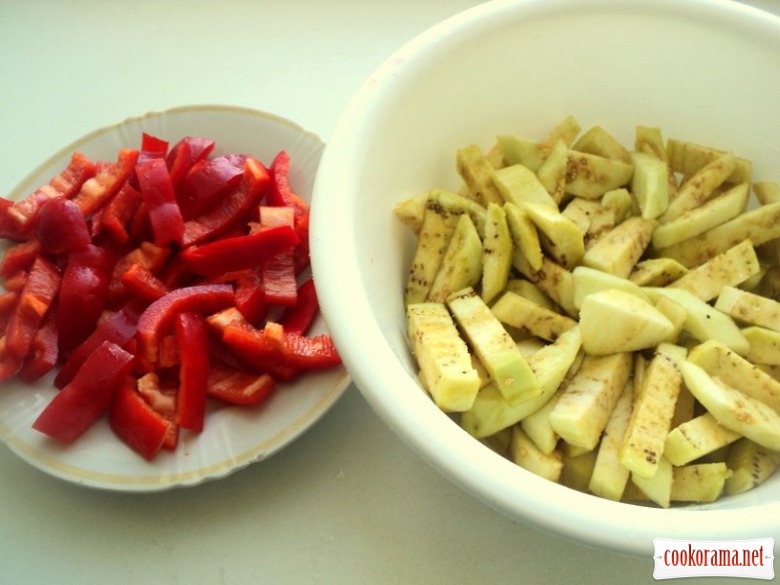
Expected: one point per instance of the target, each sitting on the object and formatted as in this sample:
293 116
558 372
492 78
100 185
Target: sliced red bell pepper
310 353
233 206
8 301
239 253
36 299
9 363
9 225
170 356
298 319
69 181
193 340
118 328
238 387
23 214
220 319
61 227
116 215
140 228
279 281
278 271
250 295
136 423
149 255
161 397
151 147
184 154
44 352
150 388
143 284
107 181
160 200
258 351
302 251
281 193
79 404
20 257
16 282
83 294
207 181
158 318
283 355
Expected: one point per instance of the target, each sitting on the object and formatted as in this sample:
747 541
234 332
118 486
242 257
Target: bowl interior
700 70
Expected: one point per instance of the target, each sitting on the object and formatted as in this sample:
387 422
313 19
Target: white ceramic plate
233 437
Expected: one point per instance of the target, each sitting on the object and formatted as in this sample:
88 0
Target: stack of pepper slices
159 281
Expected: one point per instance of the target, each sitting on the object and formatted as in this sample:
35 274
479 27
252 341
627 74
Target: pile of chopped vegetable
155 283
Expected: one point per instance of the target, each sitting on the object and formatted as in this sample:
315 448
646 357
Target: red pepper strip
162 399
283 355
176 274
260 352
246 345
169 352
221 319
140 229
79 404
9 364
207 180
158 318
148 255
44 352
250 296
20 257
66 184
83 294
151 147
281 193
239 253
106 182
298 319
9 225
184 154
150 388
119 328
310 353
193 339
136 423
143 284
278 270
70 180
160 199
61 226
115 216
232 208
279 281
302 256
16 282
8 302
36 298
238 387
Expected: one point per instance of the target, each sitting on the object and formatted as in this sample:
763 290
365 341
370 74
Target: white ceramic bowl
233 437
702 70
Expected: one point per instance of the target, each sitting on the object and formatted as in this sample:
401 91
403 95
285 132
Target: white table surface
348 502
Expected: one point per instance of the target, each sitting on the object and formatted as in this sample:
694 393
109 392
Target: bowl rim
476 471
